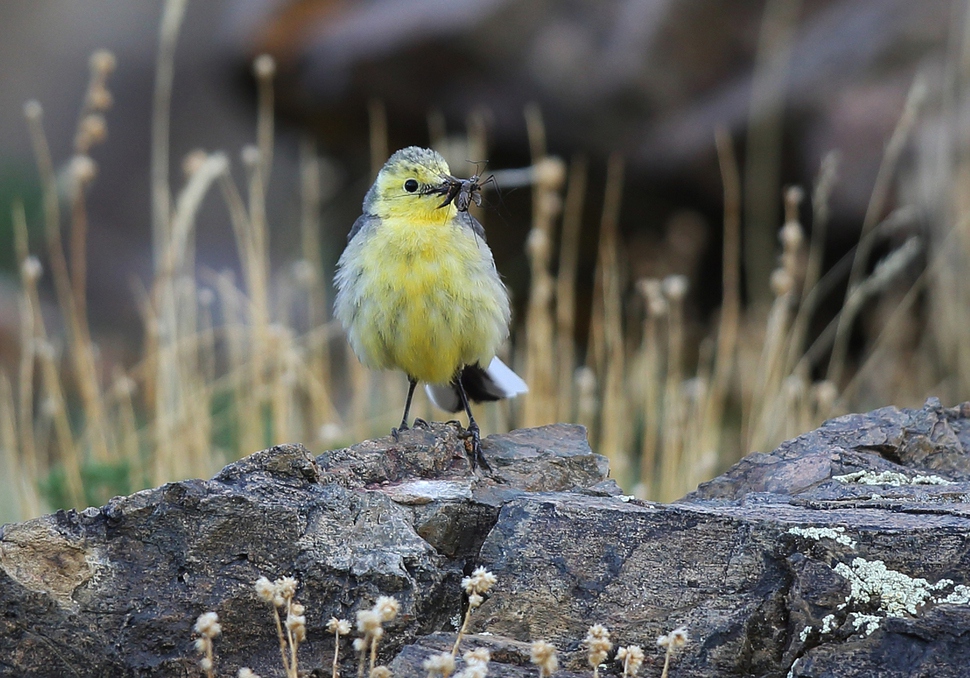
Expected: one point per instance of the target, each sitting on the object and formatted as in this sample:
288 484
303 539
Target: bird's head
413 184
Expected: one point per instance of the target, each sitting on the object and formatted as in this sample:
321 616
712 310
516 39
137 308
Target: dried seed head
781 282
31 269
102 62
550 173
585 379
652 291
439 664
265 589
825 394
675 287
675 639
631 657
679 637
124 386
99 98
207 625
205 664
598 642
304 272
33 110
359 644
50 405
329 433
47 350
795 386
339 626
380 672
201 644
793 198
83 169
245 672
368 621
479 655
791 236
250 156
193 161
480 581
543 655
264 66
387 608
286 587
92 130
475 600
299 633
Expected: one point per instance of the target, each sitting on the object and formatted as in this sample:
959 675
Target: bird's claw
420 423
473 447
395 432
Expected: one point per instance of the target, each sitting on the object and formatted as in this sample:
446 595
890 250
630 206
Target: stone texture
772 567
116 590
934 440
845 552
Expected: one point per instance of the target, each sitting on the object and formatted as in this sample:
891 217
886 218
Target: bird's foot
473 447
395 432
420 423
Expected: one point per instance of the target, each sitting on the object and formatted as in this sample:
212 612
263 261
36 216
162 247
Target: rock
116 591
777 568
931 441
844 552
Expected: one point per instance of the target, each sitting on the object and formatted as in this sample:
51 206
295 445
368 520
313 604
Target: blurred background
720 223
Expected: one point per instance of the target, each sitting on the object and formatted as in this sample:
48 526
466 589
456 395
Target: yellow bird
417 289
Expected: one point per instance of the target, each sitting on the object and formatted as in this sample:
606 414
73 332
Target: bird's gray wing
468 221
364 221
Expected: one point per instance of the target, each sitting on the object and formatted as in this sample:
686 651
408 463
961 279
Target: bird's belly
431 311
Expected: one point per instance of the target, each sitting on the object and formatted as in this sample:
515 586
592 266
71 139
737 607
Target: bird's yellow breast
420 293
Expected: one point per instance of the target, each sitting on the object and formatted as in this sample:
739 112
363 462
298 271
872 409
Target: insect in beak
463 192
450 188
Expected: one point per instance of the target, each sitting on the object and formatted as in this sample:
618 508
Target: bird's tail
495 382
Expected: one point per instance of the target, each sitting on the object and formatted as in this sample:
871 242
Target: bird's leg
477 456
407 408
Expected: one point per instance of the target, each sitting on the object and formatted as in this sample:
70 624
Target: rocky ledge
845 552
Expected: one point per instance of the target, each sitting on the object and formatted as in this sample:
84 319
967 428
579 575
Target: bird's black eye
410 185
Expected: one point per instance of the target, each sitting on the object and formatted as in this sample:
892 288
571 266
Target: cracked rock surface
115 591
845 552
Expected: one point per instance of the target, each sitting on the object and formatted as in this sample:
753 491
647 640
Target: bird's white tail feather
503 376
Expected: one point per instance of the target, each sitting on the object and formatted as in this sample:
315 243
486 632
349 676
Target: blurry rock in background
651 78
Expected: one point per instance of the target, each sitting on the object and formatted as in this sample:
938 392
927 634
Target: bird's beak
449 187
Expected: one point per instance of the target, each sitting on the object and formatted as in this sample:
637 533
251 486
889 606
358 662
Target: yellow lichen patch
41 559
